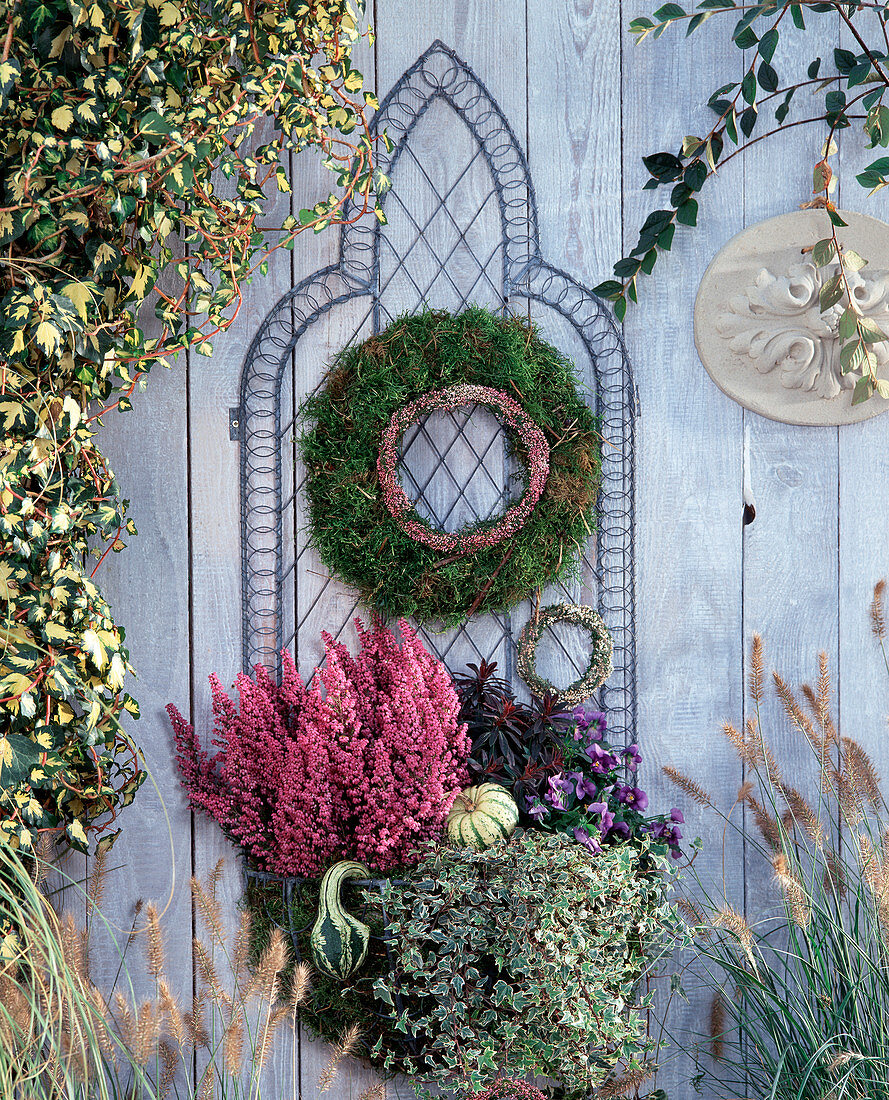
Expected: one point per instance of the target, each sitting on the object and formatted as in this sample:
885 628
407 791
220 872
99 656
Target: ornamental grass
799 992
62 1037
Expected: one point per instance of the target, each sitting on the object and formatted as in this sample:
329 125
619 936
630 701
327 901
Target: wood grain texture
588 103
688 530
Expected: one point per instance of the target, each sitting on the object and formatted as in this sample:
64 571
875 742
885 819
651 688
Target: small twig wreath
601 650
534 446
363 527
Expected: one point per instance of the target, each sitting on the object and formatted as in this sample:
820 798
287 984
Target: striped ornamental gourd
339 941
482 815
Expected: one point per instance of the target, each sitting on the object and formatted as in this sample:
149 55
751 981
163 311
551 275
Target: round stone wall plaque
760 332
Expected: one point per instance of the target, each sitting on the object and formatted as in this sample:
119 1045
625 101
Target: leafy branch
859 78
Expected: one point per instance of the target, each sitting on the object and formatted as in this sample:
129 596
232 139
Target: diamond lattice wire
461 230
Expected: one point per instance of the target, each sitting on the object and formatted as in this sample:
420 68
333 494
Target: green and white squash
339 940
482 816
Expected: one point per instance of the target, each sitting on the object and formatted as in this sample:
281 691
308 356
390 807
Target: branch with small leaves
859 80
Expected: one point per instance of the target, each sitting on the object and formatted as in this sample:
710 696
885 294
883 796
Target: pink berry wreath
364 527
533 442
601 652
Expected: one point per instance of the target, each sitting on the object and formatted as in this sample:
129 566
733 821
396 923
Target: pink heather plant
364 764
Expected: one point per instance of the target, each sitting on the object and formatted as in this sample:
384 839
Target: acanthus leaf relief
777 323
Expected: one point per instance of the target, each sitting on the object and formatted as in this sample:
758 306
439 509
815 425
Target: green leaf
767 44
154 125
848 325
852 260
687 213
864 389
767 77
823 252
831 292
748 87
10 71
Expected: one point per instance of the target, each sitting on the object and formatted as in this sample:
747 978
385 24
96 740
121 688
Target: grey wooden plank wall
588 104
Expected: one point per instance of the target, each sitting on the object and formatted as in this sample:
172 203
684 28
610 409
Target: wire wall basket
461 230
281 897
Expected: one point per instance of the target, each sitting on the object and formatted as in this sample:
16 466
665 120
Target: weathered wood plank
574 128
147 587
790 574
688 538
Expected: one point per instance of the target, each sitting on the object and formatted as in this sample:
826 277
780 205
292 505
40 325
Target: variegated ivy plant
852 89
129 146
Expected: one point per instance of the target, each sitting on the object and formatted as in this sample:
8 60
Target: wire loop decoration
461 229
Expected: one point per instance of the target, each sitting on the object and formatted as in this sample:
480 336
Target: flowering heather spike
364 764
877 614
689 786
756 670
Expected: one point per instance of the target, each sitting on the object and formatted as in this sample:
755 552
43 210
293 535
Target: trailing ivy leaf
748 87
813 69
824 251
10 71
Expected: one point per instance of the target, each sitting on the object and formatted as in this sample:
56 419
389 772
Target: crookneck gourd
339 940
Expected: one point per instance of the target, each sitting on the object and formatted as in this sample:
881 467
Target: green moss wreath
357 536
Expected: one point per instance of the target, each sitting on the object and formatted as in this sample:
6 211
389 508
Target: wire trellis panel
461 230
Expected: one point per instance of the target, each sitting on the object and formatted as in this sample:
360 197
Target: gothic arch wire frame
439 74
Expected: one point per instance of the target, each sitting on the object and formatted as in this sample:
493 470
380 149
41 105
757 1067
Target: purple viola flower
621 829
596 724
606 816
601 760
632 796
583 787
676 815
579 716
559 786
537 810
584 838
632 757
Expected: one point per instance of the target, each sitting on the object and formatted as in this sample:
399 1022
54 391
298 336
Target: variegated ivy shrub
526 957
129 146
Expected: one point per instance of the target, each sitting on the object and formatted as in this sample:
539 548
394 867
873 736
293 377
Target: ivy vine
137 137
